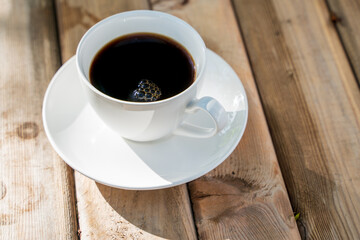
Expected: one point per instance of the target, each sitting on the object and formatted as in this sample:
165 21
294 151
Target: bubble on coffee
147 91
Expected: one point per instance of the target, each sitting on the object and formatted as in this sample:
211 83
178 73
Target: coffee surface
142 67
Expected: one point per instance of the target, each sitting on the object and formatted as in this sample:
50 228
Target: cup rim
147 13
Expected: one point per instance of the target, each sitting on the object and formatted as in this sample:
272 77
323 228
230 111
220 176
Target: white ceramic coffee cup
146 121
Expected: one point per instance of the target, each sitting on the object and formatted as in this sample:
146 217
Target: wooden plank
245 197
109 213
345 15
311 101
37 199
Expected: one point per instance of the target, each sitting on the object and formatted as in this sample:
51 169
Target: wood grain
311 101
109 213
245 197
345 15
37 199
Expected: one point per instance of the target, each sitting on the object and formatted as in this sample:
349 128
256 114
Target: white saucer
85 143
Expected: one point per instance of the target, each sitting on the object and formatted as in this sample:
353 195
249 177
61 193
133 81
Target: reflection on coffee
142 67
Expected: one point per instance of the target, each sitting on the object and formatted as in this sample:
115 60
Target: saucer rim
79 169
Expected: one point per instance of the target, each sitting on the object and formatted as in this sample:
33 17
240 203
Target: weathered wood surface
245 197
109 213
345 15
311 100
37 199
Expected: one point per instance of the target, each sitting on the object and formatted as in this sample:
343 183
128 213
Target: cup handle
215 111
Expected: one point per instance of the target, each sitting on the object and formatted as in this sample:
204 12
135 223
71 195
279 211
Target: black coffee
142 67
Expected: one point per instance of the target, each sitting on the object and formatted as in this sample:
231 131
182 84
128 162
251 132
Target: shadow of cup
165 213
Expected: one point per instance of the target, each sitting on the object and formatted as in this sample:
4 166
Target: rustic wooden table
299 61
